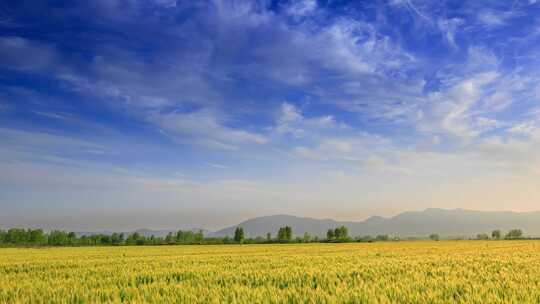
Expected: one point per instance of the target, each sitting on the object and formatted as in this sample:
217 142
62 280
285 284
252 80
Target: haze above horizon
161 113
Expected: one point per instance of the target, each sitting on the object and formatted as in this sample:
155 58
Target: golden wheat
403 272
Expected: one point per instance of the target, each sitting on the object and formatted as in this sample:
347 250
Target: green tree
496 234
37 237
330 234
58 238
139 239
337 234
434 237
186 237
382 237
16 236
306 238
117 238
482 236
95 239
341 233
105 239
284 234
514 234
198 236
281 234
268 237
72 238
169 239
288 233
364 239
239 235
133 239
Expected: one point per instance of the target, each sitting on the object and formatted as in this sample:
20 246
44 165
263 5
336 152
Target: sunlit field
405 272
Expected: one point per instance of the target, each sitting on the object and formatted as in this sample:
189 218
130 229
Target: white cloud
356 47
530 127
26 55
302 56
302 7
472 98
21 140
203 128
346 148
290 113
327 149
450 111
494 19
498 101
291 120
217 166
166 3
449 28
526 128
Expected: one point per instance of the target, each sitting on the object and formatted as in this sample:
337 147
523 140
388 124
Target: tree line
513 234
37 237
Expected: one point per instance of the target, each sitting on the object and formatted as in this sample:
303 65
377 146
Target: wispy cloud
449 28
203 128
290 120
26 55
494 19
302 7
218 166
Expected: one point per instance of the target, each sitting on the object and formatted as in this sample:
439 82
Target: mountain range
449 223
456 222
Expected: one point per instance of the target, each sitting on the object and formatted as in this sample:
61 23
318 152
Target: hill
456 222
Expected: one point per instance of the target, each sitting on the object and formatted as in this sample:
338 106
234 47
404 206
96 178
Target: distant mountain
457 222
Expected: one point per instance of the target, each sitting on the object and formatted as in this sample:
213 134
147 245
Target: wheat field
386 272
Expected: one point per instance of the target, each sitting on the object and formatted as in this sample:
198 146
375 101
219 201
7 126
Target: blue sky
165 114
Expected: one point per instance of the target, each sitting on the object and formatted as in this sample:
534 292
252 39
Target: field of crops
405 272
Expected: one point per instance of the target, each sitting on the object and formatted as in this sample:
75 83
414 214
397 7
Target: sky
124 114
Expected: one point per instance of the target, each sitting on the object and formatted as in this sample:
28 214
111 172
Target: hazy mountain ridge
455 222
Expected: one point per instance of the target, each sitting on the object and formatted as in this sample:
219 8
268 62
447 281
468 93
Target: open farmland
404 272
